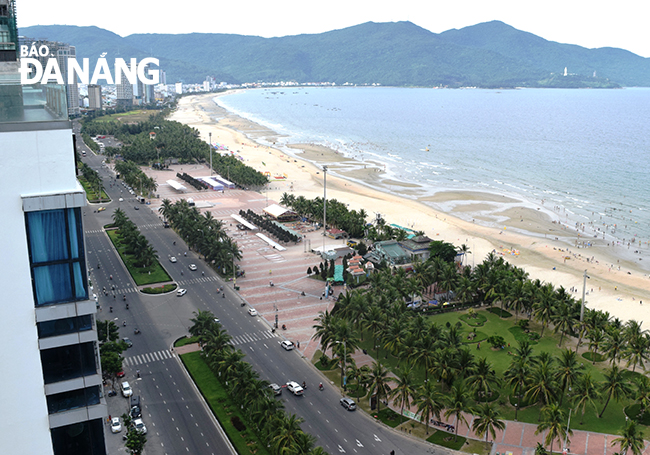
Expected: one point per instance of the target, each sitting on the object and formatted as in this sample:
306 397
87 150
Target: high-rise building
51 386
95 97
124 92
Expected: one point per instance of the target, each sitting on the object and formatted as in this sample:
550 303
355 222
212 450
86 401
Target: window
64 326
68 362
85 438
73 399
57 256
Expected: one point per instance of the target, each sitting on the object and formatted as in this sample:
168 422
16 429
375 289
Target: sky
588 23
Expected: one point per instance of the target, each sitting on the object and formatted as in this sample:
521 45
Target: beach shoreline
528 235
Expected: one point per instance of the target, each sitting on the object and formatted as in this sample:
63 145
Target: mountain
491 54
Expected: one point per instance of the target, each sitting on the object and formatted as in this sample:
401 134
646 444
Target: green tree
429 402
586 393
631 439
554 422
458 402
404 390
379 382
614 386
135 441
487 421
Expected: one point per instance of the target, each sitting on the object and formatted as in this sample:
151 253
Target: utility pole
210 147
324 205
584 288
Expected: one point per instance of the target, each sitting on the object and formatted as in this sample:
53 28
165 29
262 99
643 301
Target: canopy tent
177 186
241 220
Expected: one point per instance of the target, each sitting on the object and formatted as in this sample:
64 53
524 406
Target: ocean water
585 153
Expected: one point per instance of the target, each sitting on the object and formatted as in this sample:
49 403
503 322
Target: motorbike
111 393
124 297
320 387
136 331
284 327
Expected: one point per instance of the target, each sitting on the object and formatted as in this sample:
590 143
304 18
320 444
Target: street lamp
584 288
210 147
343 375
324 205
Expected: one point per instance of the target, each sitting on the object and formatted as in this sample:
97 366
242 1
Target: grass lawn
185 340
223 408
151 275
613 419
442 438
128 117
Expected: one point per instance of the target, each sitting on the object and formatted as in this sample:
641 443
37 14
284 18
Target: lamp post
343 375
324 205
210 147
584 288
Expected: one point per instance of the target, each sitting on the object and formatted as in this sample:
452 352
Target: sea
582 153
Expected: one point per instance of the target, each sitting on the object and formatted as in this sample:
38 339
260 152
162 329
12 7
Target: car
348 404
127 391
295 388
277 390
116 426
139 425
181 292
173 259
129 343
192 267
101 209
121 199
217 320
136 207
252 311
287 345
120 374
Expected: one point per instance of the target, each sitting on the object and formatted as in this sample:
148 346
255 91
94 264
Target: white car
121 199
127 391
138 424
116 426
172 259
294 388
287 345
193 267
252 311
181 292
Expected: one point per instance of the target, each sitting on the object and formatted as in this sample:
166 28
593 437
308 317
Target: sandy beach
531 237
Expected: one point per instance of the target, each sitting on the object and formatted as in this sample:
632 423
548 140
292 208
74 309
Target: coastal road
171 409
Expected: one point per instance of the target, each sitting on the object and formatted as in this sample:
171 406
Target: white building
179 88
51 386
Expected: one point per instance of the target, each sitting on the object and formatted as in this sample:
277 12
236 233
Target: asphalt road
176 418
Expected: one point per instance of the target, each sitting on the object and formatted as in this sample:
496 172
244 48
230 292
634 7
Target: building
417 246
124 92
51 390
62 52
390 252
95 97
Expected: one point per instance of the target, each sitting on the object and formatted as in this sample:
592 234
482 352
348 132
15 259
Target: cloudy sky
588 23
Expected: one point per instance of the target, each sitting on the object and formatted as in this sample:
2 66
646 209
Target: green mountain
492 54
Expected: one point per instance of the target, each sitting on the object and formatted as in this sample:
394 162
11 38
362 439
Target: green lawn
151 275
611 422
222 406
91 192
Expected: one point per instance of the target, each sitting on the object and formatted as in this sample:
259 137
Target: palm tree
544 306
464 249
563 318
444 366
379 382
568 371
642 393
554 421
614 385
585 393
614 344
429 402
286 437
404 390
201 322
596 339
631 439
636 351
374 321
542 385
483 379
487 421
517 377
324 329
458 402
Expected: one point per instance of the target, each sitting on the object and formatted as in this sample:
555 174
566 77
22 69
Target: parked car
139 425
287 345
348 404
116 426
295 388
252 311
127 391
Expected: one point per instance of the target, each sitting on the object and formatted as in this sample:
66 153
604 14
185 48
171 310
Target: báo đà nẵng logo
32 71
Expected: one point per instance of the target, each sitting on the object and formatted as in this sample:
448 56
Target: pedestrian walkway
142 359
252 337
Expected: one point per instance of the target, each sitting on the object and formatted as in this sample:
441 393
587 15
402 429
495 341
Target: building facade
95 97
51 390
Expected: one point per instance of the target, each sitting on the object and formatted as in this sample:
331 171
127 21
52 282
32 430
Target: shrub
496 341
237 423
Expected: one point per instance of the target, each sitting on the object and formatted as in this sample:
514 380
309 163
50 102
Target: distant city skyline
581 22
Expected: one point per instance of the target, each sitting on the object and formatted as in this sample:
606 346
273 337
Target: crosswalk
202 279
252 337
156 356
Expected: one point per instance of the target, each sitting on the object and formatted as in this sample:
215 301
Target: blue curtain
47 236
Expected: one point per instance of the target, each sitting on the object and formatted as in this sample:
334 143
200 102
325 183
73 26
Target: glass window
84 438
64 326
68 362
73 399
56 255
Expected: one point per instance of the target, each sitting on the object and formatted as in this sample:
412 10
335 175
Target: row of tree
269 226
203 233
133 176
198 184
440 352
261 411
136 244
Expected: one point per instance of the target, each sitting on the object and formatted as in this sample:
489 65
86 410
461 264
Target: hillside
492 54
